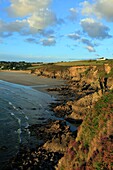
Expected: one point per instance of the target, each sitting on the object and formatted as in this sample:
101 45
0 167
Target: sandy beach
27 79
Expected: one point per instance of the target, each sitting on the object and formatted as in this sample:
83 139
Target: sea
20 107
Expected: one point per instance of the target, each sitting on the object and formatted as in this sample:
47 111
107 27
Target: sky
55 30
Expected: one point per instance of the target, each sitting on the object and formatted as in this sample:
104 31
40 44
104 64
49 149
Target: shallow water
20 106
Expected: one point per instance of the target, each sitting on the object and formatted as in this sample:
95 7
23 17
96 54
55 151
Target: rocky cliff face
93 147
90 74
89 101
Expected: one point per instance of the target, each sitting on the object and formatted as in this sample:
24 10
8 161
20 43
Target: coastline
74 101
35 82
81 102
40 84
54 134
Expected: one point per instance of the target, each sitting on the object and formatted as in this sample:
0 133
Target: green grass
83 63
92 121
49 67
64 65
97 165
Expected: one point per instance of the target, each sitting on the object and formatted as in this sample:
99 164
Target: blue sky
55 30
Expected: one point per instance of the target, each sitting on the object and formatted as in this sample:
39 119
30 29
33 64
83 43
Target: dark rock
20 108
33 108
85 87
74 121
41 118
3 148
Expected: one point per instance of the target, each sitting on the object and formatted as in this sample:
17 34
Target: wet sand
27 79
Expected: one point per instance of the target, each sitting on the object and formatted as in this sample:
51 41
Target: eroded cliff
93 147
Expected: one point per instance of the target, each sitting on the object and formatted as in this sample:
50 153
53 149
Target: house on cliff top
101 59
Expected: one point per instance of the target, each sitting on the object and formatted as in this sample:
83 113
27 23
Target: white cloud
101 8
74 36
95 29
42 19
7 29
23 8
73 10
73 14
87 8
48 42
33 16
90 49
17 26
86 41
36 12
90 45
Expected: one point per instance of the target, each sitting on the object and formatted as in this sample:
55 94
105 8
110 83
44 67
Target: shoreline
56 134
41 84
81 102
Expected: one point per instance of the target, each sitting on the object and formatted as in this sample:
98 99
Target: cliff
93 147
88 73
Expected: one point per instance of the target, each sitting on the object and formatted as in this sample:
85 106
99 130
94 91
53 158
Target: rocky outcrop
81 107
52 141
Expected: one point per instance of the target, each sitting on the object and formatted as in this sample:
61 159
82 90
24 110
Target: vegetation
93 148
22 65
84 63
51 66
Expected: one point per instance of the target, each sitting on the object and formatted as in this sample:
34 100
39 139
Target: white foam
19 121
29 132
26 117
27 125
40 105
14 107
10 103
47 111
12 114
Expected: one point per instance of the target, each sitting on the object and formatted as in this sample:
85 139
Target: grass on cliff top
50 67
85 63
97 120
63 65
96 132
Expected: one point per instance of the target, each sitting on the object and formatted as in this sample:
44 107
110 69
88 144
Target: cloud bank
22 8
35 20
100 8
95 29
30 16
